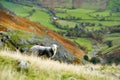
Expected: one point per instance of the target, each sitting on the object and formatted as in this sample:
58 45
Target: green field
114 37
86 15
104 23
16 8
78 13
83 42
72 24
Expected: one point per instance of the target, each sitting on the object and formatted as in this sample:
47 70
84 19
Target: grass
70 24
43 18
84 42
79 13
110 49
88 15
18 9
45 69
114 37
101 14
21 39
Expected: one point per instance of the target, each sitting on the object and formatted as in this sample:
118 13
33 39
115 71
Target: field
87 15
80 13
115 38
45 69
83 42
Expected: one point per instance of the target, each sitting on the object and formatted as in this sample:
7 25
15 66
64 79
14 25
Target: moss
5 61
17 35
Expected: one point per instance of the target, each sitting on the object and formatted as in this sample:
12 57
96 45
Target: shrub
86 58
95 60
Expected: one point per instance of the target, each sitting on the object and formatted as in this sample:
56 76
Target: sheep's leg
40 52
48 53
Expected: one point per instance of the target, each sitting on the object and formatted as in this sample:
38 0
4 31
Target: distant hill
90 4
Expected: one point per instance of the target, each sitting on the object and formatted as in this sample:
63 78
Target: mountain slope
16 23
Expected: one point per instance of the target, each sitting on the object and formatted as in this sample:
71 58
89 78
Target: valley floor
46 69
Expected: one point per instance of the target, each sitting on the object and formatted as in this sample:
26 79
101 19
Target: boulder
22 64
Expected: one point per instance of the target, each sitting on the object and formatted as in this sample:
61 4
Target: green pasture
82 13
84 42
70 24
43 18
87 15
114 37
107 15
104 23
107 50
16 8
78 13
73 23
101 14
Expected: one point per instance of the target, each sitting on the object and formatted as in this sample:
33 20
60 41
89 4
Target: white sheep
49 51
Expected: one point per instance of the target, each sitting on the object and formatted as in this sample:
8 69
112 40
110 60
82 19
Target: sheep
49 51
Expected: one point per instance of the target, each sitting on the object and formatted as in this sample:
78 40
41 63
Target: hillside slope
18 23
40 69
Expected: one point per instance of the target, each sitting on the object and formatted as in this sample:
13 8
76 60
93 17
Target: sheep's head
54 48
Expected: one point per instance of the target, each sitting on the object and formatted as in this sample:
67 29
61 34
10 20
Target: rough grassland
45 69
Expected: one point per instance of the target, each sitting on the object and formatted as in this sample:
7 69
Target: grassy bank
45 69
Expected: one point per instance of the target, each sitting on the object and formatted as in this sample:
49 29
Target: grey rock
34 41
23 64
4 38
116 75
24 50
23 42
